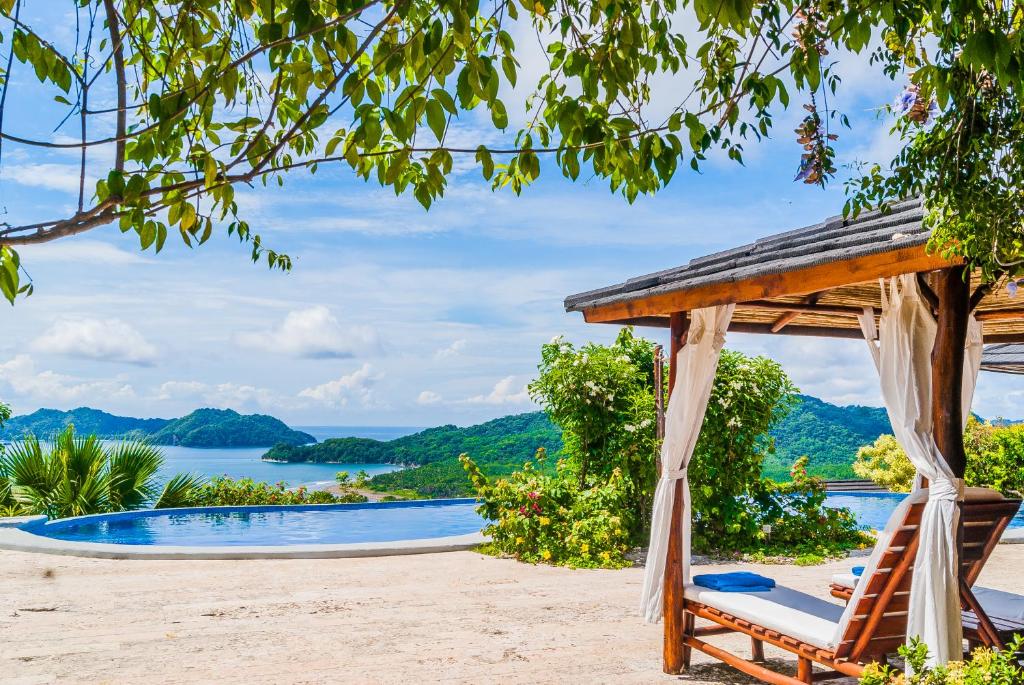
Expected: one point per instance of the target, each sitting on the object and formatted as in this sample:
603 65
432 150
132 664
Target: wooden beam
675 654
803 308
798 282
788 317
1000 315
811 331
953 291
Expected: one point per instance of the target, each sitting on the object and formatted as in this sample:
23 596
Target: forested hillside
498 446
227 428
87 421
828 434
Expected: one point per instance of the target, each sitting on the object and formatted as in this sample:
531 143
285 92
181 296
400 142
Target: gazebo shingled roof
1003 358
809 281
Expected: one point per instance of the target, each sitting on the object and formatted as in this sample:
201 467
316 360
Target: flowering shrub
985 667
791 518
995 459
602 397
223 491
538 517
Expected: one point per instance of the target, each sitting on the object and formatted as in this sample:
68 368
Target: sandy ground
458 617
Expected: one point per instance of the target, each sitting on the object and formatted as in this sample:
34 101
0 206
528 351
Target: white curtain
903 358
696 364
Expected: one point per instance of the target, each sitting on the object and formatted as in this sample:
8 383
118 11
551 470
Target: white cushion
996 603
788 611
1000 604
845 579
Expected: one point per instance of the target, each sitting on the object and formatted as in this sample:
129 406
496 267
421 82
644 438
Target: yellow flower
546 554
520 540
585 548
544 520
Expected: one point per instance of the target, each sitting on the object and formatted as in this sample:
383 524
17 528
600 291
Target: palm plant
73 476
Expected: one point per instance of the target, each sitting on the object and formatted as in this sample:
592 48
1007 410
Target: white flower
734 423
630 428
555 339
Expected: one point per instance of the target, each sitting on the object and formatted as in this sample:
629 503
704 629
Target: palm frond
132 467
180 491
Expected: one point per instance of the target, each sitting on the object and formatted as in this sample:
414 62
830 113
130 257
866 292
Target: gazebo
869 277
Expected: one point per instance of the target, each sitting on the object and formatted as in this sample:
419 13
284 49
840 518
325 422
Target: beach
454 618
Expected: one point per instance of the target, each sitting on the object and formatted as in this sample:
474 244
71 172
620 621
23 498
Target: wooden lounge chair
990 617
872 625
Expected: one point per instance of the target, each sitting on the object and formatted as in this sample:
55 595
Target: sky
393 315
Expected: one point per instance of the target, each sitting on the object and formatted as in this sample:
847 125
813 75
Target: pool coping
16 535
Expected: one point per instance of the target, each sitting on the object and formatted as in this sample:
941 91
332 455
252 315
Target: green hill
46 422
227 428
498 446
828 434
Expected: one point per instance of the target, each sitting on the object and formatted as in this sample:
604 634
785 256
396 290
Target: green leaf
483 156
436 119
498 114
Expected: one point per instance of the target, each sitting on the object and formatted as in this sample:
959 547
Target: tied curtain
903 359
696 364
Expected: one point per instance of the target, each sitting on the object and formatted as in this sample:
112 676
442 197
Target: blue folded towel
858 571
737 581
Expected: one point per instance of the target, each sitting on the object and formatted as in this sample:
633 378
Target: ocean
244 462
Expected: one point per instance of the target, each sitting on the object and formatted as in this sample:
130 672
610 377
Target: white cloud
452 350
108 340
354 387
75 251
59 177
52 388
180 389
506 391
428 397
314 333
238 396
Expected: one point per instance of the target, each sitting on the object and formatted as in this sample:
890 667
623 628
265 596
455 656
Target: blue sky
393 315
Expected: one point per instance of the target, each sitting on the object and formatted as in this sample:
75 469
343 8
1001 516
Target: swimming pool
260 531
873 509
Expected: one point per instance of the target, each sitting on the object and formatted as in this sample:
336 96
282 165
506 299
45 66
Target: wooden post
953 293
659 402
675 654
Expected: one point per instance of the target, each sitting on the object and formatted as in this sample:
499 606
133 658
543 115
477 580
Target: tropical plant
995 459
885 463
602 397
8 507
985 667
539 517
210 95
221 491
73 475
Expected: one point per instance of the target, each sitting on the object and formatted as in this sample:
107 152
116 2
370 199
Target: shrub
886 464
538 517
749 396
985 667
602 397
73 475
223 491
995 459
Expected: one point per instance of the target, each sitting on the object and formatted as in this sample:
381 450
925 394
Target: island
202 428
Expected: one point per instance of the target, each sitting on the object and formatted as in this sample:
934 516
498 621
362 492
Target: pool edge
18 540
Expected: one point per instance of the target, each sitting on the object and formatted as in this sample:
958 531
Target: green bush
885 463
222 491
538 517
985 667
995 459
791 519
72 475
602 397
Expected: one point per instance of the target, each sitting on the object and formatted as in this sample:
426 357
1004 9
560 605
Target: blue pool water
872 509
259 526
